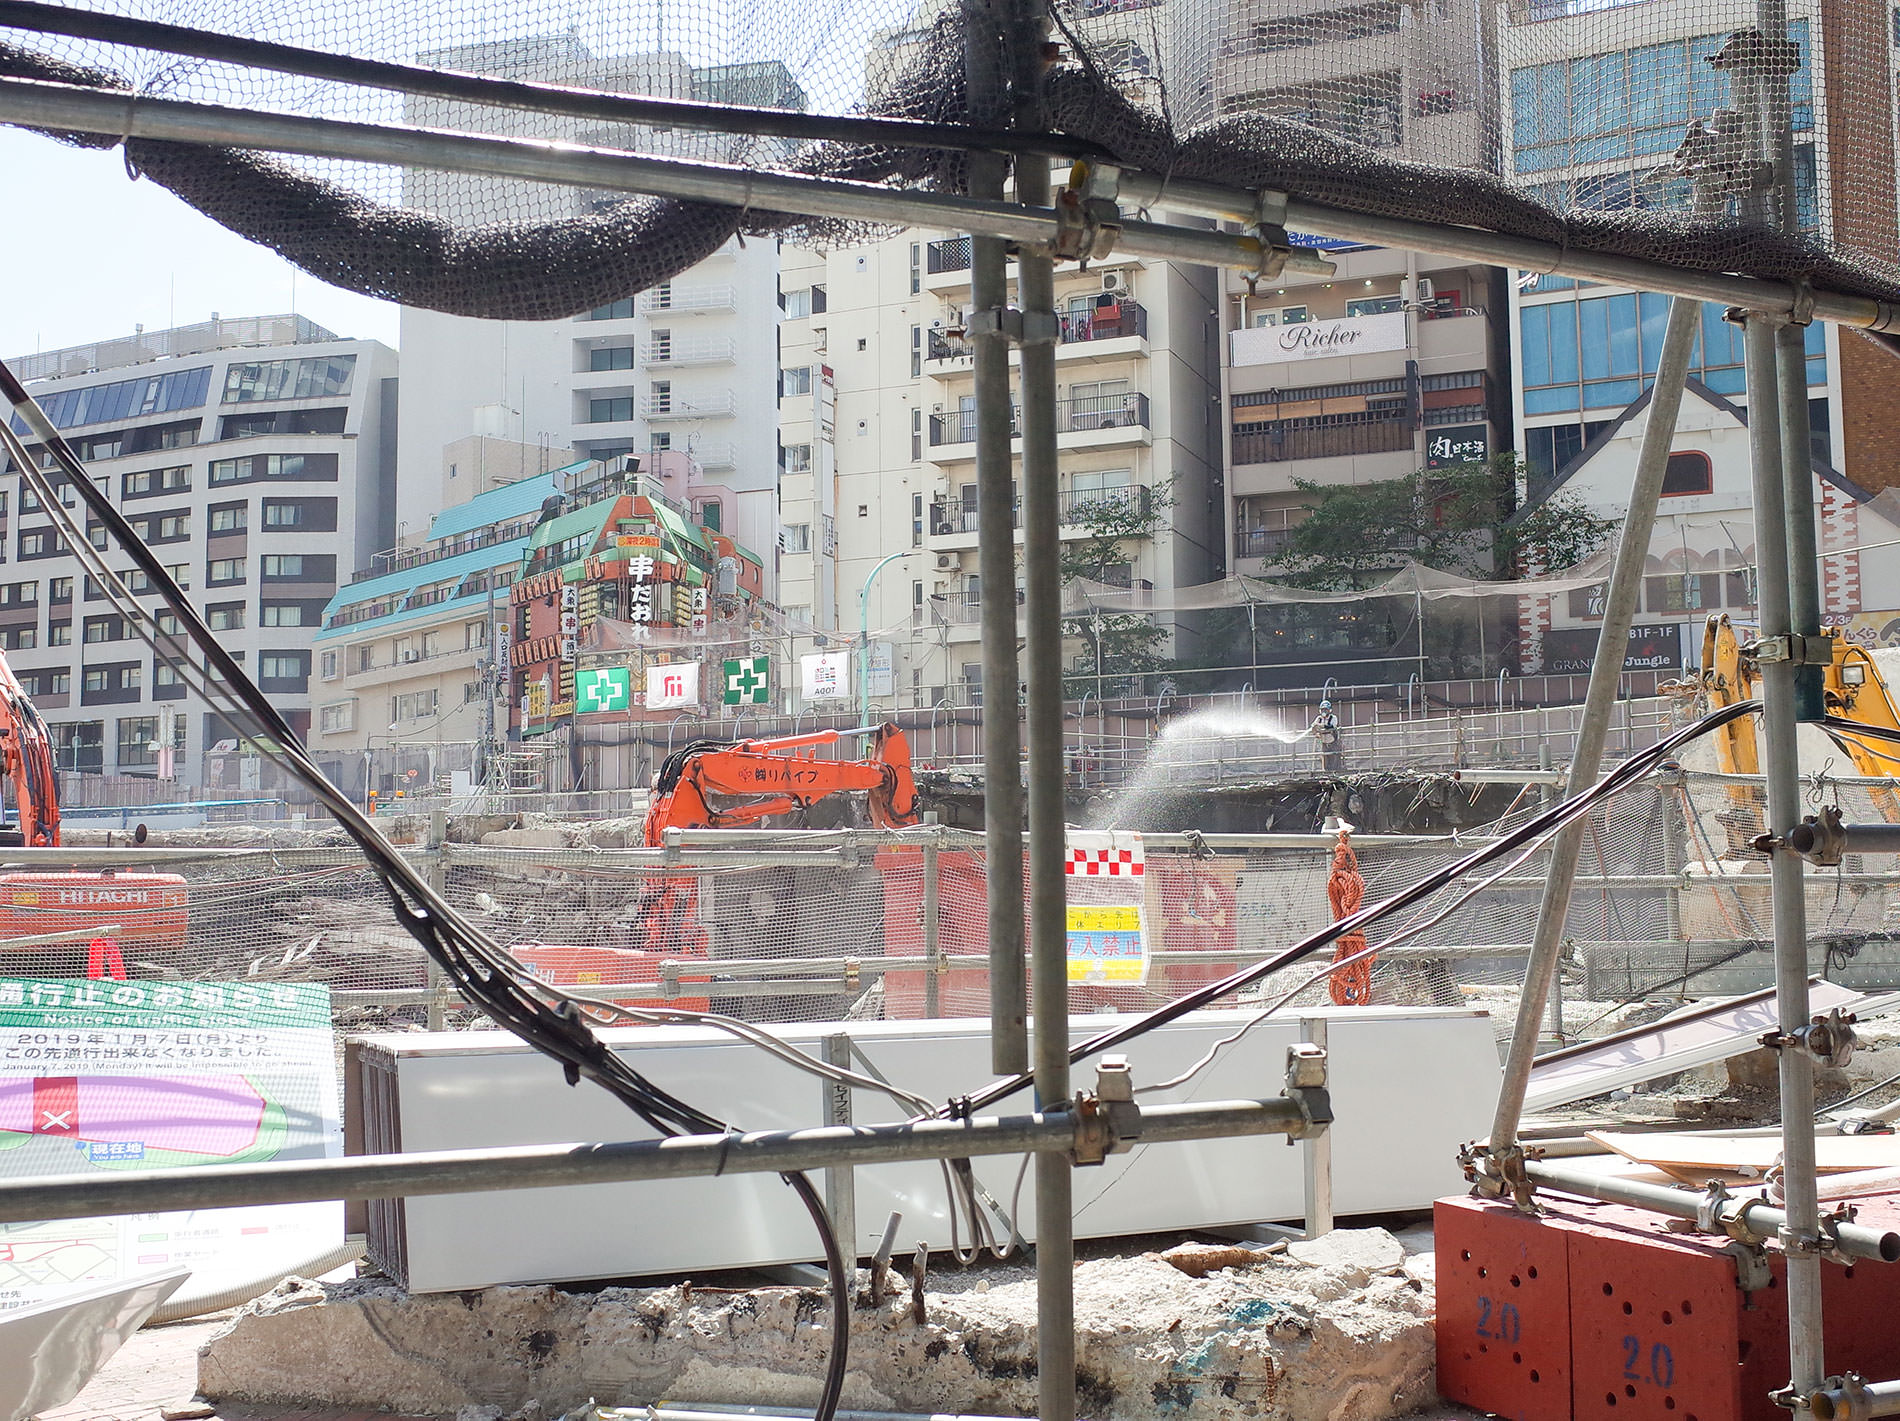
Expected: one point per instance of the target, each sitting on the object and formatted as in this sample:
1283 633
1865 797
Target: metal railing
1111 322
1324 437
711 351
1073 415
951 254
666 300
1262 542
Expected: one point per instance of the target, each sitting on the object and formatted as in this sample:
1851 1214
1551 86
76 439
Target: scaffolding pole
38 104
1606 674
996 567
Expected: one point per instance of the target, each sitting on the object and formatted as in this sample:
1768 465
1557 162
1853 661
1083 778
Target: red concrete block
1503 1310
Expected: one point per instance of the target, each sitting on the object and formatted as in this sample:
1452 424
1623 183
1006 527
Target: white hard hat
1325 705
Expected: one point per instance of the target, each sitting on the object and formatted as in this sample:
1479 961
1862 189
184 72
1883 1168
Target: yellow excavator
1853 689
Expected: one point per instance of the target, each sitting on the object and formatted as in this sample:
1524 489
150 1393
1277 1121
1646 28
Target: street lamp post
864 639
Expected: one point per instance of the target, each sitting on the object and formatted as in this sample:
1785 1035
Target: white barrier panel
1409 1085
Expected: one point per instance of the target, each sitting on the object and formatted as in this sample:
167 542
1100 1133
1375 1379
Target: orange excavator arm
26 758
712 785
1728 679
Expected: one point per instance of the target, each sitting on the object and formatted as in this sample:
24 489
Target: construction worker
1325 729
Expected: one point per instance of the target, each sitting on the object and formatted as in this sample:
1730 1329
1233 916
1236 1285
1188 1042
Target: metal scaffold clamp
1306 1088
1842 1398
1277 253
1829 1040
1088 214
1108 1122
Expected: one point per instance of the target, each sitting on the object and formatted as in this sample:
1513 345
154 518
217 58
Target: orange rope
1350 986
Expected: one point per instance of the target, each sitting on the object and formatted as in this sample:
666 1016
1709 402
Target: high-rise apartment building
257 457
878 427
683 366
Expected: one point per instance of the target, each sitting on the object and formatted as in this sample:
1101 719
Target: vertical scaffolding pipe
996 565
933 919
1599 706
1781 768
1048 925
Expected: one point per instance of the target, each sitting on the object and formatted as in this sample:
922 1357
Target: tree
1128 643
1460 519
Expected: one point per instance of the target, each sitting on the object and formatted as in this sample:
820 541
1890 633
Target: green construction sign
749 681
608 689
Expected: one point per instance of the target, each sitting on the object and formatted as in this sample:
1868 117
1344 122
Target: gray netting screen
1554 119
1670 903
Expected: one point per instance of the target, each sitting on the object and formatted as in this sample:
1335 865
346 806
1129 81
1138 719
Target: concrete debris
1358 1253
1330 1339
1197 1260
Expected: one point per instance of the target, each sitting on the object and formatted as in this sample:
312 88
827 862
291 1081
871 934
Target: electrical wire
476 965
1625 774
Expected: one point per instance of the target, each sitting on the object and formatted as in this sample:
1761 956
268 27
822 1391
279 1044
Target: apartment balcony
1111 332
676 353
953 521
1083 422
1264 543
709 404
1459 335
715 456
947 264
686 300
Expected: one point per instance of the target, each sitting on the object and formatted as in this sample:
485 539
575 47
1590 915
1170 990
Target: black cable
478 967
1625 774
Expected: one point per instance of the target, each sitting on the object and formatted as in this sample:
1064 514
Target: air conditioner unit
1426 290
1114 281
411 656
948 562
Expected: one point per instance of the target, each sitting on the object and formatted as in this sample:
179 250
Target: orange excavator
713 784
46 919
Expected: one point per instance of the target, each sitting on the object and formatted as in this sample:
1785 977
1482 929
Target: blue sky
89 254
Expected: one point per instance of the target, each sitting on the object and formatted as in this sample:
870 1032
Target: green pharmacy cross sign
749 681
609 689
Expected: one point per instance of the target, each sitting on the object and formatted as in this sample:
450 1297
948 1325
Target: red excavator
713 784
47 919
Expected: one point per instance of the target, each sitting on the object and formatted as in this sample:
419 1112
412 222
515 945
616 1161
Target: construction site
1079 1047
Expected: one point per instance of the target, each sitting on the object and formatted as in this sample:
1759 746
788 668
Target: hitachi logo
83 896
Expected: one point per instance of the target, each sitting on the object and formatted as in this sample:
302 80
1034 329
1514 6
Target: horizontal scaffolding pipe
1804 839
597 104
68 108
1844 1400
684 1157
1855 1240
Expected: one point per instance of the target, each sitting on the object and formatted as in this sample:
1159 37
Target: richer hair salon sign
1320 340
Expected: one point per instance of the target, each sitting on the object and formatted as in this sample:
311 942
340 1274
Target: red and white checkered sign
1104 856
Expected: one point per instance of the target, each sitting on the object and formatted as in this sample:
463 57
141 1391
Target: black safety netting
1559 120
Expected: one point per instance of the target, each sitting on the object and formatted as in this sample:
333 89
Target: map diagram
150 1121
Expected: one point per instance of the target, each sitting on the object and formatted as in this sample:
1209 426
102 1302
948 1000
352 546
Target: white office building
257 457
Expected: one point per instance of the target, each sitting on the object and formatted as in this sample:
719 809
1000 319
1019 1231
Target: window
916 351
107 628
329 663
796 538
309 468
107 684
474 635
19 594
798 458
228 517
59 634
336 717
312 515
221 570
308 378
610 411
289 614
916 267
710 515
412 705
796 304
135 485
180 573
172 528
19 638
225 616
168 624
1676 593
916 435
59 589
1686 473
40 543
794 380
916 520
610 357
660 399
363 658
128 399
471 691
287 669
138 741
1374 305
621 310
298 567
